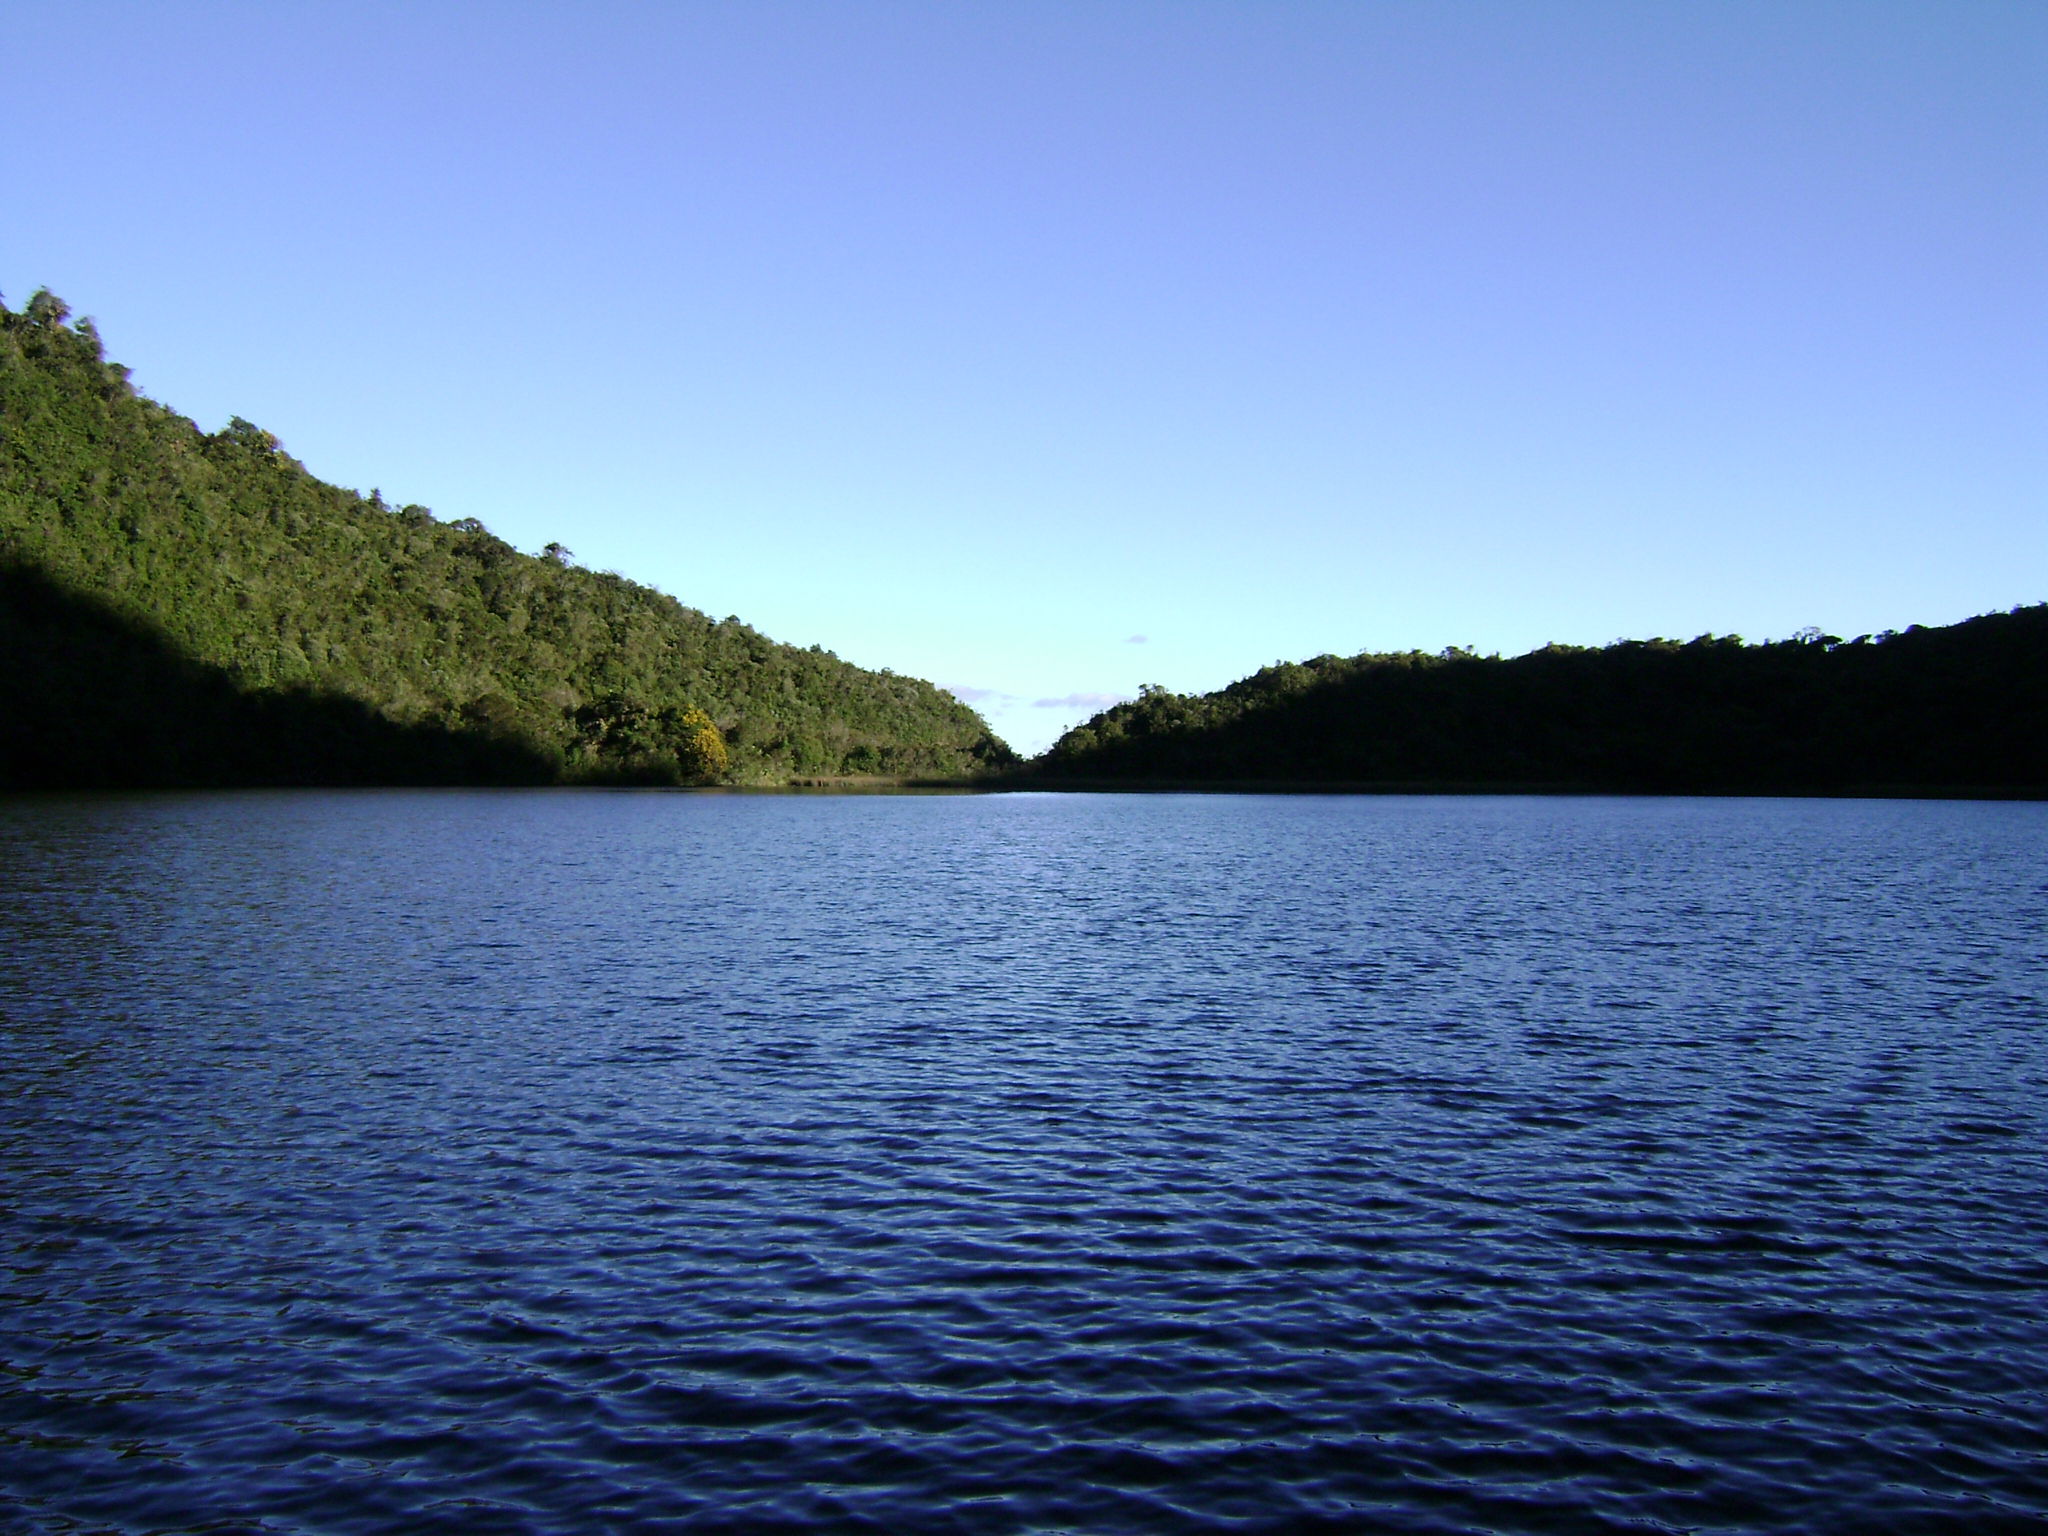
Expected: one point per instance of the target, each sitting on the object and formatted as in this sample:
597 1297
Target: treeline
1960 708
294 631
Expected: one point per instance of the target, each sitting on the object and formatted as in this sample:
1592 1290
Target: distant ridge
178 607
1955 710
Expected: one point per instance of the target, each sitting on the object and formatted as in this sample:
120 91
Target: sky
1045 350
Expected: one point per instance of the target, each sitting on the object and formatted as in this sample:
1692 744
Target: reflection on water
628 1161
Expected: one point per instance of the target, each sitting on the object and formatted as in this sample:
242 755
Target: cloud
1137 639
1081 701
967 695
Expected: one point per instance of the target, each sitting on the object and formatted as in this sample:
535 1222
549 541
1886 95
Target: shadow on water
91 698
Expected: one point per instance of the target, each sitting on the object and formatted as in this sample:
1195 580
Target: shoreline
1015 784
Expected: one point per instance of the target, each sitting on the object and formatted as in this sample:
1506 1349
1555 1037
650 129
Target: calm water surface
667 1162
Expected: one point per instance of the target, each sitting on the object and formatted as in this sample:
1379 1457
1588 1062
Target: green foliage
92 697
1964 708
224 551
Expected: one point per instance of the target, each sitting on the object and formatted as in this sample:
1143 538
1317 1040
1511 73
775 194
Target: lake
630 1162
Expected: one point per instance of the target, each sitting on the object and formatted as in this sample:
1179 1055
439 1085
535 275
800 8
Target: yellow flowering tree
700 748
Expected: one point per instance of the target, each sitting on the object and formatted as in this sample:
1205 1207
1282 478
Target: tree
248 565
45 308
701 752
246 434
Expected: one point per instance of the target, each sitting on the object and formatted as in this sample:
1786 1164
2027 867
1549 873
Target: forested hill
1956 709
179 607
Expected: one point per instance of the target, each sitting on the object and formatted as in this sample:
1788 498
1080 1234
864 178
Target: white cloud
967 695
1081 701
1137 639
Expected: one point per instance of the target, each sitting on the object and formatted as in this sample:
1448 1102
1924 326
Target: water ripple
632 1162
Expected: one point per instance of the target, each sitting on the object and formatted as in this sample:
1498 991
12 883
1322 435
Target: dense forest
184 607
1956 709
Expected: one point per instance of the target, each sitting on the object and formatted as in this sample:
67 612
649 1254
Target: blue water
625 1162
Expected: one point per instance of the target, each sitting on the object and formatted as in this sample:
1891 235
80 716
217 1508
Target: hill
1957 709
183 607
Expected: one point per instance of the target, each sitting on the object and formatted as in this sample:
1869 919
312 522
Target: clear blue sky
1045 350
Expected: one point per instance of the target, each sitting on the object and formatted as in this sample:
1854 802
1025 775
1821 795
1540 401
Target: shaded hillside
233 570
1963 707
92 698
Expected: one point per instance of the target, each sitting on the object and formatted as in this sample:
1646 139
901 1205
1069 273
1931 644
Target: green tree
235 558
